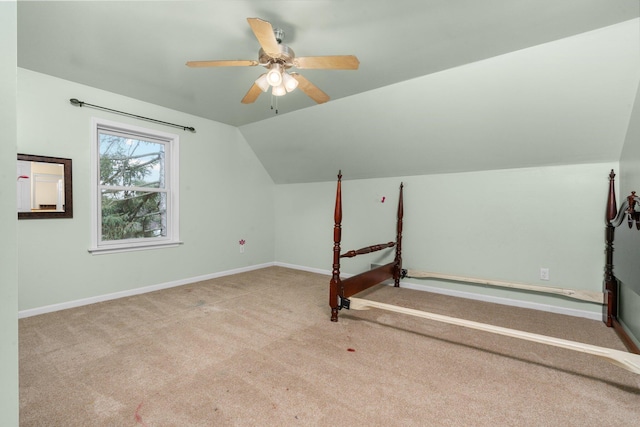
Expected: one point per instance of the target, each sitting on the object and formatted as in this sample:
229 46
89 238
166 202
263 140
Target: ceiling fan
277 58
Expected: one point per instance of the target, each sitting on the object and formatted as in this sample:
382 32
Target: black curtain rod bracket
79 103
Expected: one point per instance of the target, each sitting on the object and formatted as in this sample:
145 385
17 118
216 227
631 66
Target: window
134 188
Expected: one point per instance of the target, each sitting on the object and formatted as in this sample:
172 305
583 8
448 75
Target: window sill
130 248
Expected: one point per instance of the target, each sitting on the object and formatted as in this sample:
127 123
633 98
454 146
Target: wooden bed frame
341 289
614 218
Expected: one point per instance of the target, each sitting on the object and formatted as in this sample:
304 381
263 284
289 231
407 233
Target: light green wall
8 221
225 196
501 225
627 260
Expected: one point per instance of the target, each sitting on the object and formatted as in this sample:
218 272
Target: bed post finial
612 205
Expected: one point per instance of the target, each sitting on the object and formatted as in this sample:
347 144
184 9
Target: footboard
341 289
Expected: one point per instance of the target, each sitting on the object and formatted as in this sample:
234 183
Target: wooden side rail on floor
583 295
628 361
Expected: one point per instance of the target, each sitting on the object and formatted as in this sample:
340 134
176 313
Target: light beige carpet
258 349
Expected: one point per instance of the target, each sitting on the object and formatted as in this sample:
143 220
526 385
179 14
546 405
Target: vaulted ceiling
443 86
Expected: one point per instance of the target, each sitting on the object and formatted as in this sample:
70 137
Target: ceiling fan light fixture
289 82
262 82
278 90
274 75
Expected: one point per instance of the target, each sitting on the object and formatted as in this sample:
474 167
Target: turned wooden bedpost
610 309
337 236
397 271
610 282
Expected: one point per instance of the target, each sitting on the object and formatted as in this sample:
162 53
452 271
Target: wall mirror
44 187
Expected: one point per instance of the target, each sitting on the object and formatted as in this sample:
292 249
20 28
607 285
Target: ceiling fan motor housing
285 57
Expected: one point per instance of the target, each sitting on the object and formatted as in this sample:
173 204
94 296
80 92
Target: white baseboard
309 269
108 297
443 291
470 295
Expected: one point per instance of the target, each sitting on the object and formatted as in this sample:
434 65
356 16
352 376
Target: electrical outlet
544 273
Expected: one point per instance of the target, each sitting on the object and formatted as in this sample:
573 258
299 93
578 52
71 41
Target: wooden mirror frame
68 192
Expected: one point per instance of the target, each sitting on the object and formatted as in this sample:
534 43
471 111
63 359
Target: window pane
128 162
133 214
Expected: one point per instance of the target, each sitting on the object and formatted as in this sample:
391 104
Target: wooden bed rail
583 295
628 361
368 250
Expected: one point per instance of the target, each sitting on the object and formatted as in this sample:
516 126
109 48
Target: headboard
615 217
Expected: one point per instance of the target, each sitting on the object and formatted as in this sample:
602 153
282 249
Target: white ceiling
443 86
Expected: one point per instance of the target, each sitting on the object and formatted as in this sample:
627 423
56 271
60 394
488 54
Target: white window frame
172 144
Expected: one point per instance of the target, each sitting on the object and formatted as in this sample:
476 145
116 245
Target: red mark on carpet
138 417
351 349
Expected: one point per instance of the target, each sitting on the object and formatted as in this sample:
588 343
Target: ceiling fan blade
252 94
264 33
223 63
340 62
310 89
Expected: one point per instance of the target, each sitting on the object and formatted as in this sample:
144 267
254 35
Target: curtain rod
78 103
